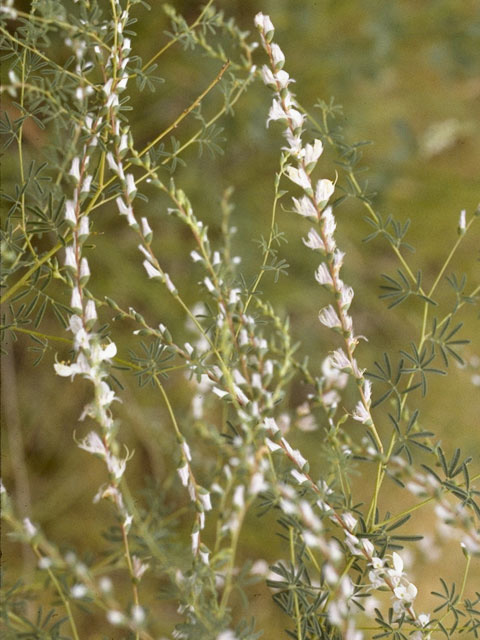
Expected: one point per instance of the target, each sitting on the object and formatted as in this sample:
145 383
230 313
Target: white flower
339 360
368 546
110 351
44 563
338 257
283 79
205 500
70 215
257 484
114 166
313 241
169 284
299 477
86 184
276 112
294 141
115 617
195 541
305 207
259 568
84 268
116 466
139 567
123 142
300 177
264 24
424 619
323 191
84 228
239 497
146 230
204 554
331 399
107 87
130 183
76 299
376 579
226 635
353 544
329 318
70 259
377 563
152 272
121 84
367 390
271 425
75 169
125 210
90 312
273 446
462 223
346 296
30 529
78 591
406 593
312 153
183 472
330 575
65 370
294 454
186 451
309 518
209 284
138 614
278 56
105 584
397 564
329 225
350 521
361 413
93 444
322 275
296 118
332 375
267 76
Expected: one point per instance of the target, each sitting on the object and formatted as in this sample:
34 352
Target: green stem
176 38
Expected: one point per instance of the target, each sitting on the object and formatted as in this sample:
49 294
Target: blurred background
408 77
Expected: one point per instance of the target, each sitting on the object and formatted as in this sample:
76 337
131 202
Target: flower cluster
404 591
92 357
301 160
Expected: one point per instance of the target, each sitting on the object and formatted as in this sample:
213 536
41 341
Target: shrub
336 469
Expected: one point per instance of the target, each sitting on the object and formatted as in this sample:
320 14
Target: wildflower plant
173 560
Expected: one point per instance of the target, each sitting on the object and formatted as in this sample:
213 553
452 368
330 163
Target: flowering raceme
300 162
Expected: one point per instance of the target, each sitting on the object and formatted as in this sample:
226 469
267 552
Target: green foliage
203 378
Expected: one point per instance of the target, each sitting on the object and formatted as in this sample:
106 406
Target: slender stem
176 38
266 253
295 595
30 272
186 111
61 593
38 53
450 256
